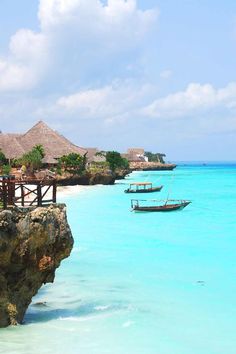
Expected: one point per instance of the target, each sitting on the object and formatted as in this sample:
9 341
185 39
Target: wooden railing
27 193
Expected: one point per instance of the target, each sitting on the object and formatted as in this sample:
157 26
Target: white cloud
195 98
26 60
27 45
120 18
132 101
74 36
108 103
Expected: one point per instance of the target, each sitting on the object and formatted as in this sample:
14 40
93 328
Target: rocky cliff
32 245
106 178
151 166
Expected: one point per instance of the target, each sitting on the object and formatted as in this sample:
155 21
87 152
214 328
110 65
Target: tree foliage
73 163
6 169
101 153
115 160
3 159
33 158
40 149
155 157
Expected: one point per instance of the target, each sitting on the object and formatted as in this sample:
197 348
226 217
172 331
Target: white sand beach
64 191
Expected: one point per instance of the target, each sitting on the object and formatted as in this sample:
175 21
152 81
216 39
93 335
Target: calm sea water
148 283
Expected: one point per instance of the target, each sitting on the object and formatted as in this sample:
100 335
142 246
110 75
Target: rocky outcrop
32 245
87 180
105 178
151 166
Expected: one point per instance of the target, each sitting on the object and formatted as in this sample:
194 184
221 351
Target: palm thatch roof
134 154
135 151
10 146
55 145
93 157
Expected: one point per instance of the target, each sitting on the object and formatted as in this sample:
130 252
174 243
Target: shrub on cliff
115 160
73 163
155 157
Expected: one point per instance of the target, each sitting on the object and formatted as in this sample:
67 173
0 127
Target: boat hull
147 190
161 208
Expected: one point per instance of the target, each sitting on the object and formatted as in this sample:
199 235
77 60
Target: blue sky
155 74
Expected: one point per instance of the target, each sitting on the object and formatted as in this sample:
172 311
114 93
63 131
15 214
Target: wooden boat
142 187
161 205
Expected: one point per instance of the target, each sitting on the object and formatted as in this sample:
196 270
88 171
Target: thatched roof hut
10 146
54 144
93 157
135 154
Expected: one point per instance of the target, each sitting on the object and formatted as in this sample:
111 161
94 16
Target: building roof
93 157
10 146
135 154
54 144
136 151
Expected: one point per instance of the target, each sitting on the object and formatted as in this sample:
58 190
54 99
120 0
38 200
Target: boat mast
170 189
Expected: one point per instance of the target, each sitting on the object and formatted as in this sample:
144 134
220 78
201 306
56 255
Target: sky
115 74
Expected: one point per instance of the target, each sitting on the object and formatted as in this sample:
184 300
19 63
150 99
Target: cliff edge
32 245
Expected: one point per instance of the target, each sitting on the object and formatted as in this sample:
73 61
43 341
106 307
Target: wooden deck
26 193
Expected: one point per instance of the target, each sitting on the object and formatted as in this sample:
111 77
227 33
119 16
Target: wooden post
22 195
4 194
39 194
54 191
11 191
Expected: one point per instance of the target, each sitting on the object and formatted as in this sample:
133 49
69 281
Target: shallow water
142 283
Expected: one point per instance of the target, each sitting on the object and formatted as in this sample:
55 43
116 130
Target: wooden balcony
26 193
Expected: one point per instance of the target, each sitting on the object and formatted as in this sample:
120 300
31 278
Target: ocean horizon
205 162
142 283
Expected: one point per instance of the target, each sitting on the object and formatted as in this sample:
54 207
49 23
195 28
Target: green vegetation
116 161
32 159
40 149
3 159
155 157
5 168
73 163
98 167
101 153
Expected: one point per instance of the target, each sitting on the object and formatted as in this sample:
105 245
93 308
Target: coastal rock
151 166
91 178
33 243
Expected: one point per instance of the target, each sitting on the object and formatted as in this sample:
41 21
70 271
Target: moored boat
161 205
142 187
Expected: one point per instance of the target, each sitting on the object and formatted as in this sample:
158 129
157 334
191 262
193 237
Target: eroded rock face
151 166
32 245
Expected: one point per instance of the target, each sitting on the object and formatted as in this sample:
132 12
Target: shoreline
64 191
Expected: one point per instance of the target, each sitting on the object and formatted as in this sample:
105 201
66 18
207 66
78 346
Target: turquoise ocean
142 283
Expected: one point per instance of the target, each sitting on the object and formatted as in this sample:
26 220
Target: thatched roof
10 146
92 157
49 160
135 154
54 144
135 151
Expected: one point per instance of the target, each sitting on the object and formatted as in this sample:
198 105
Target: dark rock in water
32 245
201 282
40 304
